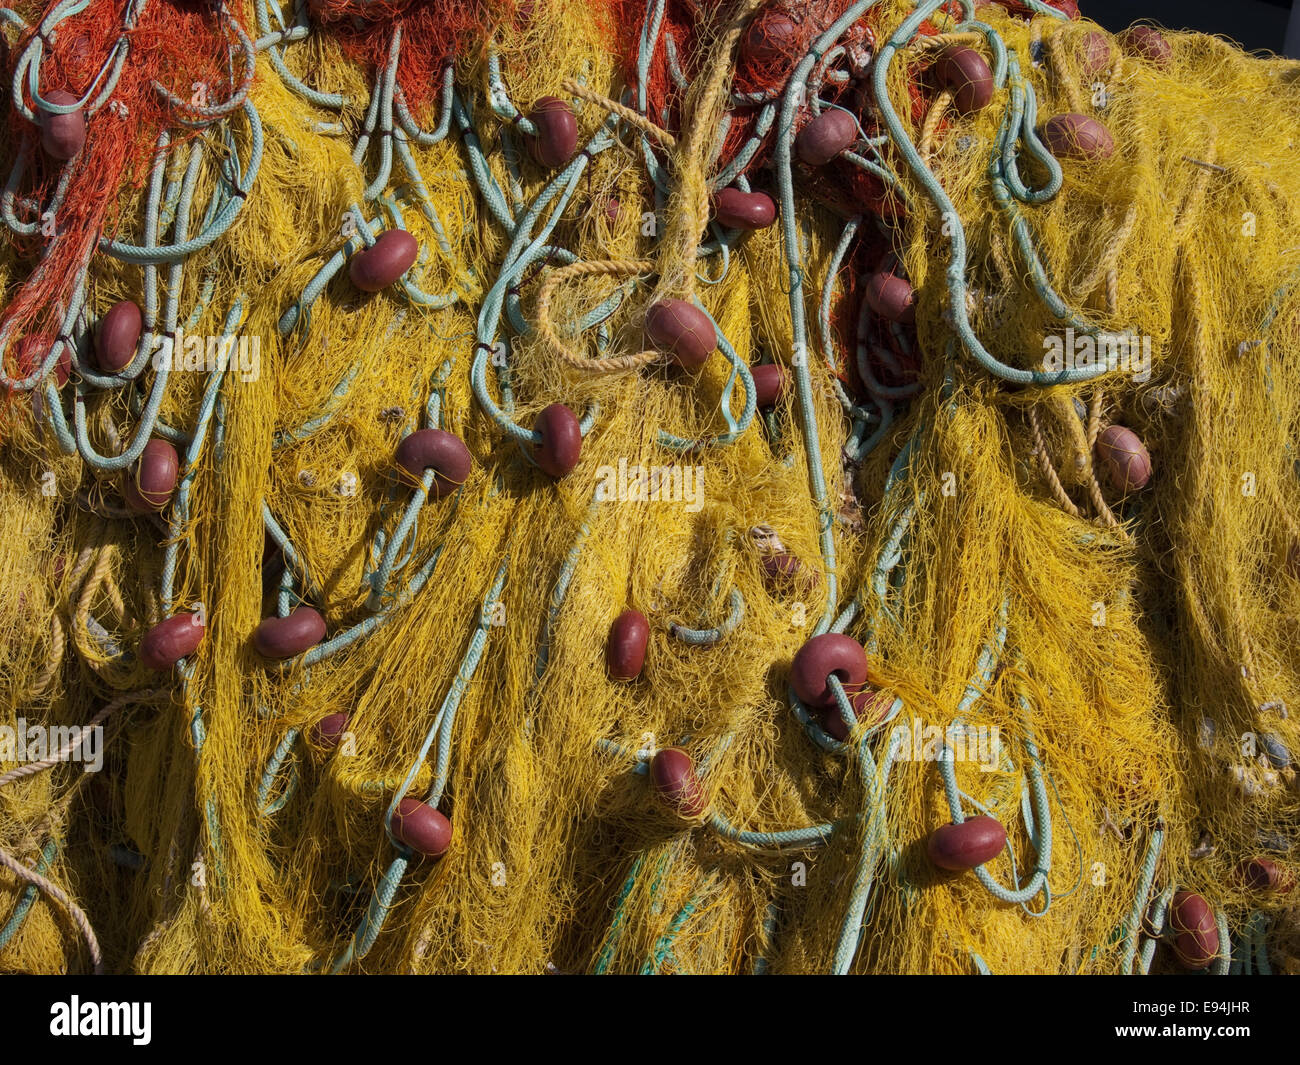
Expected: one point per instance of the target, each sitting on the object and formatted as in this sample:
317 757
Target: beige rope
632 118
108 582
689 209
102 562
60 896
58 644
1094 417
1094 486
597 268
1087 443
1105 264
1064 407
1045 464
99 577
688 212
1068 85
58 637
936 41
364 784
33 768
1083 442
932 120
1112 287
79 569
43 884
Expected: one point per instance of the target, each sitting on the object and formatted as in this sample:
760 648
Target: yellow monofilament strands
777 488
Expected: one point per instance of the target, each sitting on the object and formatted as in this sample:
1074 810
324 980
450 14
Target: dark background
1254 24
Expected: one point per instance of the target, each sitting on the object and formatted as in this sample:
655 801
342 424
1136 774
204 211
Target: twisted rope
1105 264
30 876
1045 465
932 119
689 209
1083 441
598 268
631 117
1068 85
53 659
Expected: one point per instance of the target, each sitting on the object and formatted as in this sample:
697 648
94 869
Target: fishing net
670 487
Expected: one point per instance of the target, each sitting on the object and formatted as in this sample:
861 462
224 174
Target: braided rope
79 569
1094 415
1093 484
1095 406
97 576
937 41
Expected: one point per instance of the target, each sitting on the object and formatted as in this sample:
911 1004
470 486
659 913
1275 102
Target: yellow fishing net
1027 492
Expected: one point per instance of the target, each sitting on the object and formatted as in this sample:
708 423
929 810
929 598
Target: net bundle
656 487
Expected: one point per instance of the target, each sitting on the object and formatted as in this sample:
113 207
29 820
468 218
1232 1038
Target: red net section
682 21
1066 7
433 33
175 44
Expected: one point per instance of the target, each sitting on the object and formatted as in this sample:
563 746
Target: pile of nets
663 487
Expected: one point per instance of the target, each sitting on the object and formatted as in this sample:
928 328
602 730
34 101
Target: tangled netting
646 486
